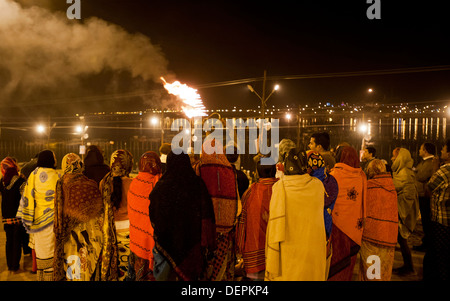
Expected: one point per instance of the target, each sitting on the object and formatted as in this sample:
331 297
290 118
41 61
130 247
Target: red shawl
252 225
349 209
141 231
381 226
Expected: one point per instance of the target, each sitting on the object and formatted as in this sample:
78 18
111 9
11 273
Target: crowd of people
189 217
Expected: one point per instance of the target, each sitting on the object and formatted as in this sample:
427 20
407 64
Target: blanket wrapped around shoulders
37 204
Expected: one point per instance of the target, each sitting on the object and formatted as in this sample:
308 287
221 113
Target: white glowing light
40 129
363 128
154 121
192 102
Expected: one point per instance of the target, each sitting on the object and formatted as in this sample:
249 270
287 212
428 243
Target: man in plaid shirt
436 263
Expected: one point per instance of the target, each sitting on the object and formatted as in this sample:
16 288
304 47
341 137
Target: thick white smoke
42 49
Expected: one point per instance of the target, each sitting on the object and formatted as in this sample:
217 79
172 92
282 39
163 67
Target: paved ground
25 267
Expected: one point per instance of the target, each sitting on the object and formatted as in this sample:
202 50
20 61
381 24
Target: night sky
210 42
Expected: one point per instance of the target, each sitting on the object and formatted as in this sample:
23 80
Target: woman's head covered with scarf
47 159
316 165
347 155
121 165
150 163
295 162
93 156
9 169
71 163
402 159
284 147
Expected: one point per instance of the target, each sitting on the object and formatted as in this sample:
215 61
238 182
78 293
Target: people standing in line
10 197
348 213
36 210
424 171
252 224
78 224
232 155
436 263
408 204
164 150
220 180
116 228
141 231
182 216
94 166
320 142
316 168
381 225
296 239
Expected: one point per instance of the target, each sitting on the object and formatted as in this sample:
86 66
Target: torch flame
193 104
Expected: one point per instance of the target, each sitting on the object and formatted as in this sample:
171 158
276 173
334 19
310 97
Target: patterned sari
78 221
121 164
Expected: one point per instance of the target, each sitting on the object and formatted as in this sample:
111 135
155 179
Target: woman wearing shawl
78 223
94 166
317 168
10 196
116 226
141 231
295 241
408 203
37 212
252 225
348 213
381 224
182 216
220 180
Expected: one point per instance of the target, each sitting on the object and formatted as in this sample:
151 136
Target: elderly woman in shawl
295 239
408 203
348 213
252 225
10 199
116 226
182 216
317 168
36 210
141 231
78 223
381 224
220 179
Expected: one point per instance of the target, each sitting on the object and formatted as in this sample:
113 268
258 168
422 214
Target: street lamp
154 120
263 98
40 129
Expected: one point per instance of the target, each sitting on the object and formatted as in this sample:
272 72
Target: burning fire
193 104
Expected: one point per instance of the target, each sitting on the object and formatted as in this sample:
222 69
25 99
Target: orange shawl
381 225
141 231
252 225
349 210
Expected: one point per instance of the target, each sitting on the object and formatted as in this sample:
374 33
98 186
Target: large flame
192 102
